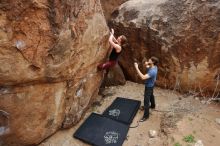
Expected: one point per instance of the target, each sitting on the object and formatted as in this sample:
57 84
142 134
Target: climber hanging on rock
116 46
150 78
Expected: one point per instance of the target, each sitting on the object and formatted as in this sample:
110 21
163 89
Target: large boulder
183 34
49 50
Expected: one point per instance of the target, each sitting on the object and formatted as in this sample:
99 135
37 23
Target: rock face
49 50
109 6
184 35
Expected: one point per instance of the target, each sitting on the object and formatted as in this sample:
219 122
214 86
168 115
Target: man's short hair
155 60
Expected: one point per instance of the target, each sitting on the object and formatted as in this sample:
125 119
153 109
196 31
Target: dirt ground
176 116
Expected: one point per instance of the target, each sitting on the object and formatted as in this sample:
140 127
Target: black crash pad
98 130
122 110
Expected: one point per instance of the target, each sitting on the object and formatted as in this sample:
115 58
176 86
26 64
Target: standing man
150 77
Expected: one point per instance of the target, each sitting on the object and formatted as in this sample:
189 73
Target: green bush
189 138
177 144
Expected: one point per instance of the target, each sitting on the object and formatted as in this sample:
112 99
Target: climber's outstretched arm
113 43
114 39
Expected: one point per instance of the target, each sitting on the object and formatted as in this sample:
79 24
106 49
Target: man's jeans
148 100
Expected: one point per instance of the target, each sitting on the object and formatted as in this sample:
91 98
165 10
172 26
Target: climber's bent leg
107 65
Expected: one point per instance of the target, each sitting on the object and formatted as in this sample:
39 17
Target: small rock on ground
197 98
199 143
152 133
217 120
203 102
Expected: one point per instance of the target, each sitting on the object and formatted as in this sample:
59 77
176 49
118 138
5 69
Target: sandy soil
175 117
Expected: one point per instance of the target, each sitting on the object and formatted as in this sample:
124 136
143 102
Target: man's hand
135 65
146 63
143 77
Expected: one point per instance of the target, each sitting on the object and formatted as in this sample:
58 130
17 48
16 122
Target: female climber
116 46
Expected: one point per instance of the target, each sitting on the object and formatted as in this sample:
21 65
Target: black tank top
114 55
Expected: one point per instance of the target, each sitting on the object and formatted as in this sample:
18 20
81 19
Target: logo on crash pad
111 137
114 112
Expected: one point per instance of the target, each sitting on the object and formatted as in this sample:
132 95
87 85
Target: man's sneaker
143 119
152 107
142 108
